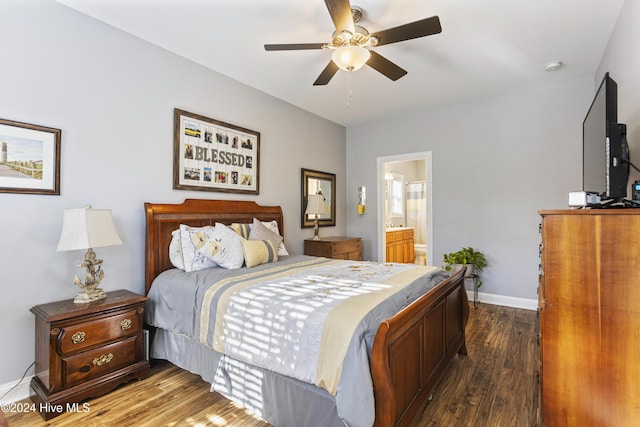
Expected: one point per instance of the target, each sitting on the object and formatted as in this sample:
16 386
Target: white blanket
299 321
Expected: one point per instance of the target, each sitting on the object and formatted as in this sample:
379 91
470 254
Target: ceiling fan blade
384 66
340 11
294 46
425 27
329 71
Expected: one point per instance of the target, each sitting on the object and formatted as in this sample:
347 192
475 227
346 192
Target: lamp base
315 229
89 295
90 291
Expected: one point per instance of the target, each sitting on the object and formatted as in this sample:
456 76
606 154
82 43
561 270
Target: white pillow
175 250
221 245
193 261
273 226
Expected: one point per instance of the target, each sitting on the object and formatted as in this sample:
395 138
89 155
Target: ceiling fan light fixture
350 58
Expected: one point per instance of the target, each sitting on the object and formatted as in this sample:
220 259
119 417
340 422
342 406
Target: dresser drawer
95 332
91 364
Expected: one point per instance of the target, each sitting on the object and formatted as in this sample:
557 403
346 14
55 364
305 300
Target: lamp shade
87 228
350 58
315 205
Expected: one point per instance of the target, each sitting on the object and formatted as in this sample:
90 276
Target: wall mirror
315 182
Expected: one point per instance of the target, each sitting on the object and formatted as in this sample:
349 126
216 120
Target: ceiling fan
352 43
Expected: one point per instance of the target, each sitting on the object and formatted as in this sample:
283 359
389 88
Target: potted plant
470 257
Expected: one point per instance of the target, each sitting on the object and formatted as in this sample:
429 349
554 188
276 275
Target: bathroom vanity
400 242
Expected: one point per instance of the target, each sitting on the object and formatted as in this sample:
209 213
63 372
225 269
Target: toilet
420 252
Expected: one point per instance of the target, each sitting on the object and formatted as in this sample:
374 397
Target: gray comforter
176 305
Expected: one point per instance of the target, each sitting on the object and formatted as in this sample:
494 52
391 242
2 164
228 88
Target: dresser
337 247
589 307
86 350
400 246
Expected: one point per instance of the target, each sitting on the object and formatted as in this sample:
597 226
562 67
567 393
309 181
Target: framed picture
210 155
315 182
29 158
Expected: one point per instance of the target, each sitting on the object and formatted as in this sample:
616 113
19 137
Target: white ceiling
485 46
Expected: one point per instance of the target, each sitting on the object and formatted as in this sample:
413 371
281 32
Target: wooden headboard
163 218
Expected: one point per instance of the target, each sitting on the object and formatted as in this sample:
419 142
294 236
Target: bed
407 352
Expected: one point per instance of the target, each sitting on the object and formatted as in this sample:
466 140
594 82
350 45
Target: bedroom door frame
428 164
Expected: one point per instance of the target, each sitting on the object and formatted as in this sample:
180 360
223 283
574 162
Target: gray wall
623 63
113 96
496 162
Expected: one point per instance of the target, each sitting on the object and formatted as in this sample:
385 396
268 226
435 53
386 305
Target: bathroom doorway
405 202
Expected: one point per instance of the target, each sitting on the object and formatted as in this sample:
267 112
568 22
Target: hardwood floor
169 397
495 385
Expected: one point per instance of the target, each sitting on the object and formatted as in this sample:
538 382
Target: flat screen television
605 155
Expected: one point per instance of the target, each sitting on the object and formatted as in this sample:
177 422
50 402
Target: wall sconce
362 200
88 228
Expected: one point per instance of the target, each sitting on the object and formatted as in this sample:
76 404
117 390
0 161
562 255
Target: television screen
605 153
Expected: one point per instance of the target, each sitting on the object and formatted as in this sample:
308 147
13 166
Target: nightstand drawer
95 332
336 247
347 247
94 363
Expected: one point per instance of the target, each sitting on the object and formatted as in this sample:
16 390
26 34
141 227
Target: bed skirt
280 400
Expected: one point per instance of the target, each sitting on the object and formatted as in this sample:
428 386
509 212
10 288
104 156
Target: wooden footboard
412 351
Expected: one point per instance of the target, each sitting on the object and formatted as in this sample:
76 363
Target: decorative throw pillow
260 232
273 226
241 229
175 250
220 245
244 230
192 259
258 252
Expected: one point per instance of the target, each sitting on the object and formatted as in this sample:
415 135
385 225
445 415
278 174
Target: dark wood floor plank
494 386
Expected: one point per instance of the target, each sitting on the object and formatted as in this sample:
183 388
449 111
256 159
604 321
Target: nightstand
86 350
335 247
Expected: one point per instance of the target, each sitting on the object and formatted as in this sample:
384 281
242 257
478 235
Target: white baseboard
516 302
21 392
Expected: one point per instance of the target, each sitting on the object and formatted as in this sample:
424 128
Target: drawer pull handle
78 337
103 359
125 324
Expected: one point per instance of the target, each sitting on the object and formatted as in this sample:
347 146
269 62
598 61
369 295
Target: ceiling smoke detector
553 65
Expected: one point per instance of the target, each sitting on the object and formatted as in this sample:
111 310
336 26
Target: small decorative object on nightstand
335 247
88 228
86 351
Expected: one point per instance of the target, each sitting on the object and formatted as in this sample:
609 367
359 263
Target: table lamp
315 206
88 228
